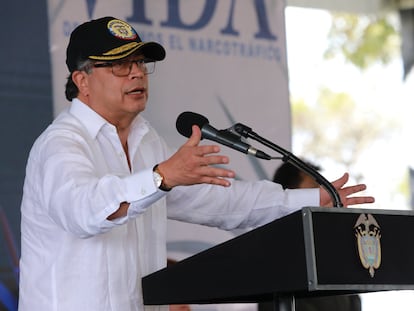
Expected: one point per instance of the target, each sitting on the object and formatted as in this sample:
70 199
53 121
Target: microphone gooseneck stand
287 156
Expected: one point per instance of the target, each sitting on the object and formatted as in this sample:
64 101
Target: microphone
225 137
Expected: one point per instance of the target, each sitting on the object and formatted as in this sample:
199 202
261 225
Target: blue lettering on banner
264 30
175 42
262 46
90 4
217 47
153 36
175 21
138 10
235 49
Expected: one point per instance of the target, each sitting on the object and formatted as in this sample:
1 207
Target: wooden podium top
312 252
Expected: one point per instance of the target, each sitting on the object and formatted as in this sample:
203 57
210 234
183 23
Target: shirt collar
93 122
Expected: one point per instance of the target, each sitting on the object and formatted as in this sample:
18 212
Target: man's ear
81 81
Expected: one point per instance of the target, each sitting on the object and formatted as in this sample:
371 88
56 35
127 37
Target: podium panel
334 261
312 252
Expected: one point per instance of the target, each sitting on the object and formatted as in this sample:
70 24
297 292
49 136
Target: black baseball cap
108 39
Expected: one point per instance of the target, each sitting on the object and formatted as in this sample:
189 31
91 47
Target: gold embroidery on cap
119 52
122 49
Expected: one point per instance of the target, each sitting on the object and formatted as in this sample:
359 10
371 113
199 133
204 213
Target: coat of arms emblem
368 234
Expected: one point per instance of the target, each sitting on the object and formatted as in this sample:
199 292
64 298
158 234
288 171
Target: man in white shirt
100 183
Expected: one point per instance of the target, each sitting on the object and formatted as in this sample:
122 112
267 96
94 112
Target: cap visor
152 50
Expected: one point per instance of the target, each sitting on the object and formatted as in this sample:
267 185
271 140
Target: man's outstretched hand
194 164
345 193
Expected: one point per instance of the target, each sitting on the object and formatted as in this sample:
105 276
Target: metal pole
284 303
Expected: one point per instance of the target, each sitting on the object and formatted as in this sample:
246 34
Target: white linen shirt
77 174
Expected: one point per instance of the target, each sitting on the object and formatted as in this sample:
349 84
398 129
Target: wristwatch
159 179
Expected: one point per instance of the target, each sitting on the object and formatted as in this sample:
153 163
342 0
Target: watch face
157 179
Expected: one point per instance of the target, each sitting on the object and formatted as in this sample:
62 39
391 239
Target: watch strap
162 186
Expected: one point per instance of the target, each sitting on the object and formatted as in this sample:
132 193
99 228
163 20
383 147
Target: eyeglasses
123 68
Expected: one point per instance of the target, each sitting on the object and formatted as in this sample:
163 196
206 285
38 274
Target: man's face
117 97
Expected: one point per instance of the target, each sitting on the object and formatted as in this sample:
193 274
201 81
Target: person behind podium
100 183
290 177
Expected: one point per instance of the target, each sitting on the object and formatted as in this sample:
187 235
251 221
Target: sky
380 90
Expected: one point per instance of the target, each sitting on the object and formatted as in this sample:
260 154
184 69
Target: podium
309 253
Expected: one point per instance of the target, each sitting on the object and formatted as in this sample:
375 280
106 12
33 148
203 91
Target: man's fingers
212 160
195 137
341 181
359 200
353 189
204 150
214 172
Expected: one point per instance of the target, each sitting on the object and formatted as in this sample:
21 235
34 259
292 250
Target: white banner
225 60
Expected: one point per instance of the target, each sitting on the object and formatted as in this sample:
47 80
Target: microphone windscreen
186 120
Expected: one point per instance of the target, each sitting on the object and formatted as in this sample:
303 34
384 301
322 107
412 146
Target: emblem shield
368 234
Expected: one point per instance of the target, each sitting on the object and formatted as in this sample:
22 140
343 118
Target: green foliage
364 40
337 129
334 128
